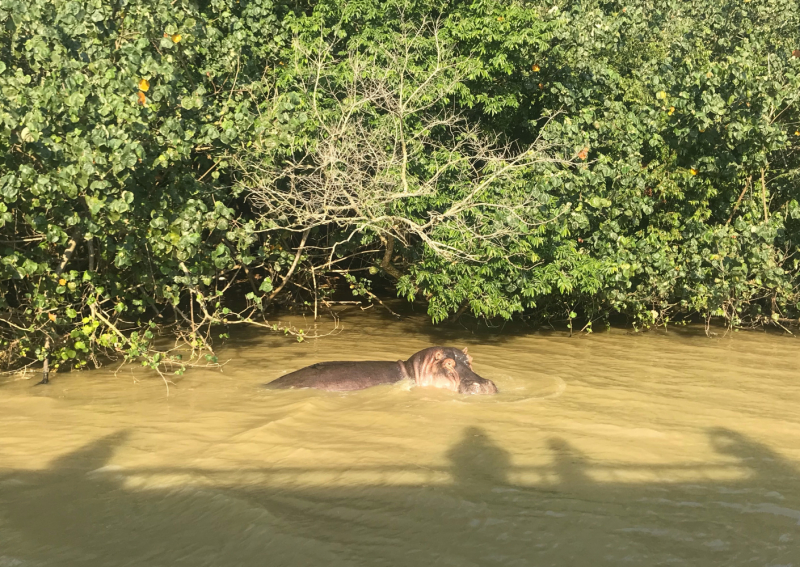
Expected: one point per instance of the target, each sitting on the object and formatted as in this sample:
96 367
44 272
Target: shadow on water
476 460
82 510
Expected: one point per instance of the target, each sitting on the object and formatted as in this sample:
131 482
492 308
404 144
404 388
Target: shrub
687 117
498 157
116 202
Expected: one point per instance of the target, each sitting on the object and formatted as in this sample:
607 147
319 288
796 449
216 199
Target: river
610 449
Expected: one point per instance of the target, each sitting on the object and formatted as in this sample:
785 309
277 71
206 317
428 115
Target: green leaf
94 204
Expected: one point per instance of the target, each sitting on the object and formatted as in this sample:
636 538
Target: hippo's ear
469 358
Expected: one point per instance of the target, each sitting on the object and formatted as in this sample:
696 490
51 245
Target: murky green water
604 450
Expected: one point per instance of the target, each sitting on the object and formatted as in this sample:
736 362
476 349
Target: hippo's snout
477 386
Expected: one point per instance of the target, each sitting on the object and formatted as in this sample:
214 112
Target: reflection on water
662 450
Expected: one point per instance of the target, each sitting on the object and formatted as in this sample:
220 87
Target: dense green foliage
114 116
577 159
684 109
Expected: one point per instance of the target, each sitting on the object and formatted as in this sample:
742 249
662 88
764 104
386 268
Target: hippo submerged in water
440 367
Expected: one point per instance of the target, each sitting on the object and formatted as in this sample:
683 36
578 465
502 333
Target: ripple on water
520 388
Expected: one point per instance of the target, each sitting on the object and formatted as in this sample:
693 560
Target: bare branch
391 160
288 275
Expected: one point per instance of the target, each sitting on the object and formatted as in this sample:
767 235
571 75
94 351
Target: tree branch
386 263
288 275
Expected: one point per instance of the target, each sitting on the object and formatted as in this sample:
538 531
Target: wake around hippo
439 367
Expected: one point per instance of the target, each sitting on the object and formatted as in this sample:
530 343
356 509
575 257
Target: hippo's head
449 368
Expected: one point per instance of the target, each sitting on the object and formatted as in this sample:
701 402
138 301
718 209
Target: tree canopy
172 167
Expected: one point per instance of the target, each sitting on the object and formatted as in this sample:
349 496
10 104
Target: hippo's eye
449 363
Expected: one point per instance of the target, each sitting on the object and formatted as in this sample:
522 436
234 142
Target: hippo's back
342 376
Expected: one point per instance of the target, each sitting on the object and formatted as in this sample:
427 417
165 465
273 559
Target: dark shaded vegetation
175 166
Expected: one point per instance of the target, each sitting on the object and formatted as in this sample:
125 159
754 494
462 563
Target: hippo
440 367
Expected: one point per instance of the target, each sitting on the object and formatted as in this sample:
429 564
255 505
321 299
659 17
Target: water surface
604 450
